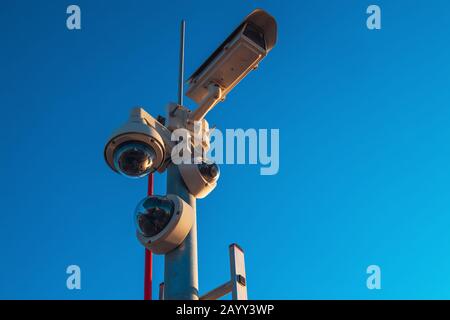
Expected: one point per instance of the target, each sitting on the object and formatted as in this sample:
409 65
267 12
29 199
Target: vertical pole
181 68
148 275
180 265
148 279
161 291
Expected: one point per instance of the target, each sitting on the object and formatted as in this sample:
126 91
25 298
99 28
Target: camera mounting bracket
214 96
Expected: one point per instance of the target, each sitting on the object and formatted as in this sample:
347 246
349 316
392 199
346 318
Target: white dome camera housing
201 177
163 222
137 148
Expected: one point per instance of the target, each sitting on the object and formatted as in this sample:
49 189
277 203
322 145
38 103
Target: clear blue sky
364 151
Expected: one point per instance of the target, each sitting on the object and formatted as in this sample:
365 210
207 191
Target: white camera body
144 132
174 232
200 178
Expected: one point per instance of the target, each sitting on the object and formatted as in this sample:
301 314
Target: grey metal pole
180 265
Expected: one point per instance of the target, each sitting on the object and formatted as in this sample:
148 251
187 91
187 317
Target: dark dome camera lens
134 160
210 171
153 215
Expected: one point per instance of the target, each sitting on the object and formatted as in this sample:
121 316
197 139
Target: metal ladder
237 285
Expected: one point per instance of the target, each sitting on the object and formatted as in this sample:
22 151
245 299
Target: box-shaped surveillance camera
239 54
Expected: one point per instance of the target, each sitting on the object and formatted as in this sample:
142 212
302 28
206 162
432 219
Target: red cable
148 255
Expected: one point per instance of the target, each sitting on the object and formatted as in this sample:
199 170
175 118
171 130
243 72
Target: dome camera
200 177
134 160
163 222
138 147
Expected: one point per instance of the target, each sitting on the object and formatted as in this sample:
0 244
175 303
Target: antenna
181 70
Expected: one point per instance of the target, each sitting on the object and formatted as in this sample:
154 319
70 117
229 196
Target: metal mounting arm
214 96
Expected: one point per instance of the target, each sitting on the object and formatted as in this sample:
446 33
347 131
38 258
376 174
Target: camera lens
134 160
209 170
153 214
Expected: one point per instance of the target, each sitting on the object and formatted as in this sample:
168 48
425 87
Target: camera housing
139 147
163 222
200 177
239 54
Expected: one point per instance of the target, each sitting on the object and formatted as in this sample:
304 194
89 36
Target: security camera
163 222
239 54
139 147
200 177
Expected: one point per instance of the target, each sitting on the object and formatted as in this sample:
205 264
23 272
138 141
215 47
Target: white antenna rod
181 70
